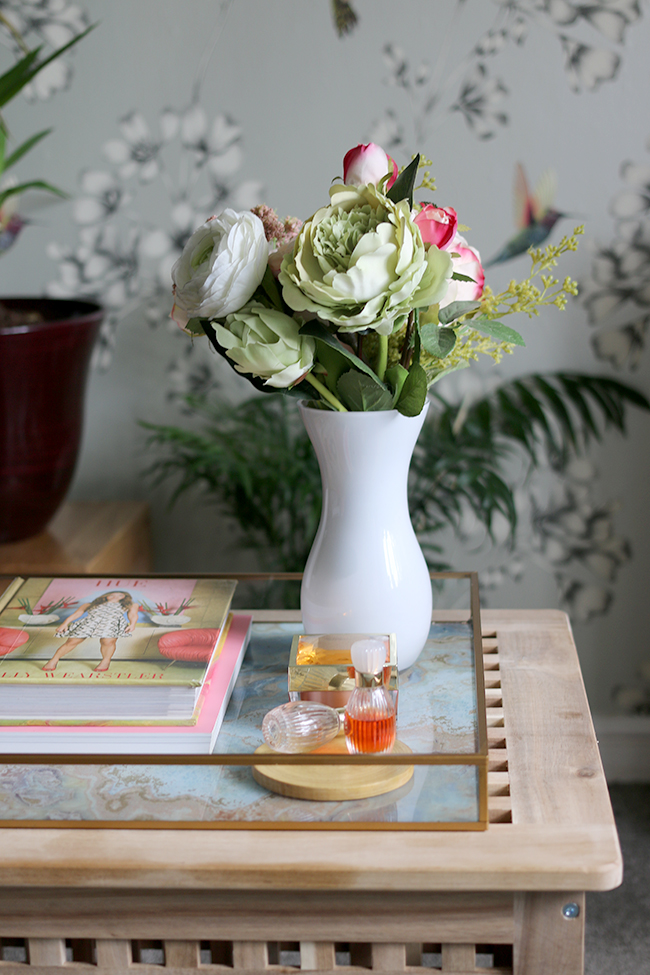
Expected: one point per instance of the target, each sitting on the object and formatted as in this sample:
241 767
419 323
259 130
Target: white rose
267 344
222 264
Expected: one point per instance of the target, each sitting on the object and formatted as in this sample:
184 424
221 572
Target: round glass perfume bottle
300 726
369 721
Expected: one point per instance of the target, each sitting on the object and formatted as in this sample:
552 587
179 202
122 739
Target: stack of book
117 666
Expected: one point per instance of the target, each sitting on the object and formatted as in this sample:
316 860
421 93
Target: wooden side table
510 898
85 537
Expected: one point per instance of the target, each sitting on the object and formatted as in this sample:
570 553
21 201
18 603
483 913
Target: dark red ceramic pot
43 372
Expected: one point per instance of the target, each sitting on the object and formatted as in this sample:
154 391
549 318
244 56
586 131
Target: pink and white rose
465 260
437 225
368 164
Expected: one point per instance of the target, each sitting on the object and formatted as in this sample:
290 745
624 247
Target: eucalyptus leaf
455 309
414 392
496 330
402 188
360 393
436 340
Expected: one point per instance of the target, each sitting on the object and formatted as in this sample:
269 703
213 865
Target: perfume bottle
300 726
369 721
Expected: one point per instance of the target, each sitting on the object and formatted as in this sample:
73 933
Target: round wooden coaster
333 783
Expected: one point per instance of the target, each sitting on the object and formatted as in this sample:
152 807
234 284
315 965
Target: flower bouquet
364 305
358 310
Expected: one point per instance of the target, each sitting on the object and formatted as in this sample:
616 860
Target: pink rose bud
437 225
368 164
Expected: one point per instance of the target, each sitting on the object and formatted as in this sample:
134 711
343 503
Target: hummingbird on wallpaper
11 223
535 215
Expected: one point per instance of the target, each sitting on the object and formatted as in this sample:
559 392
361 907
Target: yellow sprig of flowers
520 296
428 182
524 296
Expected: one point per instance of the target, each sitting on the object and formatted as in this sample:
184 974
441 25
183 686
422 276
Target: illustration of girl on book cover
69 629
109 616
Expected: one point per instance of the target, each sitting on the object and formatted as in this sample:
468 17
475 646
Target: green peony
360 263
267 344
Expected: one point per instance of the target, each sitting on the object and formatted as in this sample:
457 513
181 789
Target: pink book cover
212 703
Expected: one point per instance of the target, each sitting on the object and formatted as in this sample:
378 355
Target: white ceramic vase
366 572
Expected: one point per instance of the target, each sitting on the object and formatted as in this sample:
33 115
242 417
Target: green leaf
270 288
445 370
195 327
34 184
457 276
320 333
13 80
334 364
396 377
436 340
575 395
518 423
402 188
17 76
414 392
559 410
359 392
23 149
454 310
496 330
530 404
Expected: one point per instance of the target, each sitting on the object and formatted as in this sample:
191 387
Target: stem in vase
325 393
382 357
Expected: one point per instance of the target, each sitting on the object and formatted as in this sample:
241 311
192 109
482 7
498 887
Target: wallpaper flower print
590 38
195 156
121 260
617 293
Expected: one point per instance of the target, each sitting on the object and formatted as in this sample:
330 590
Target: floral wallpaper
156 173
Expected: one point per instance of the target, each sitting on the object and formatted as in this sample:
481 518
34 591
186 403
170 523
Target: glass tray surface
438 719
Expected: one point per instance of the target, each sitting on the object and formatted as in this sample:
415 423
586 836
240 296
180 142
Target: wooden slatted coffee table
510 899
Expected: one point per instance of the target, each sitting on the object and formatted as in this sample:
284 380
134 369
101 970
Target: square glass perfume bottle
321 668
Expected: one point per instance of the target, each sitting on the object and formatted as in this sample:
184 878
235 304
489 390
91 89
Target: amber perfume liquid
369 734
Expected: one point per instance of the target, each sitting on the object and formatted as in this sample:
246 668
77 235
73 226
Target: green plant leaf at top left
24 70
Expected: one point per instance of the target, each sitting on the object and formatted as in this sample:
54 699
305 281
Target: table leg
549 934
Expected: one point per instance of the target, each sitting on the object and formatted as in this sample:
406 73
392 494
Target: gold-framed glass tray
441 722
